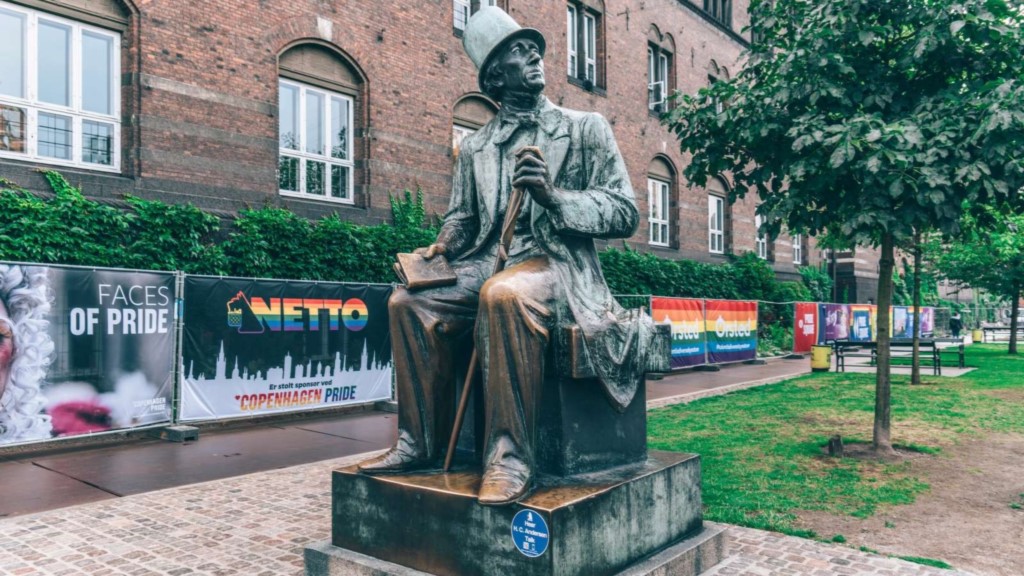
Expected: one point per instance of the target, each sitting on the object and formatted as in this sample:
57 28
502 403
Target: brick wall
201 87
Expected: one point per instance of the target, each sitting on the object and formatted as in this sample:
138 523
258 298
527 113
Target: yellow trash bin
821 358
977 336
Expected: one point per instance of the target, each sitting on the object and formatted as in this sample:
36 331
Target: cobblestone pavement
759 553
258 525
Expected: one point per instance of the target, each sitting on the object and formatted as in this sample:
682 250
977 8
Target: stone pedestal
644 517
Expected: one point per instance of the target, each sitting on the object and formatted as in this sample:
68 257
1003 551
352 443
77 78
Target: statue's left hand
531 174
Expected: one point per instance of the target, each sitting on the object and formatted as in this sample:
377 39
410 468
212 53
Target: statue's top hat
488 31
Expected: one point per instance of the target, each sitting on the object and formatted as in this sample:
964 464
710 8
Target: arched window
470 114
660 69
320 98
718 217
661 185
60 83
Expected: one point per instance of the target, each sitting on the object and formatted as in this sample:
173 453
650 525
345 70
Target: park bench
930 352
998 333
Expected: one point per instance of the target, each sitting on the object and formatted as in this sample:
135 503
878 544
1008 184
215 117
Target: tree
870 118
997 266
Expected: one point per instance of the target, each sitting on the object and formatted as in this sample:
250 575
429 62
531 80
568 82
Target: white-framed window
720 10
572 39
315 139
657 79
582 28
760 240
462 8
589 47
798 249
60 98
716 224
459 133
658 201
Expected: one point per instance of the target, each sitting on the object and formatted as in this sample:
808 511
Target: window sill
593 88
315 198
58 162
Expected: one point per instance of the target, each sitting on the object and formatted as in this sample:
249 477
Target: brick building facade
328 106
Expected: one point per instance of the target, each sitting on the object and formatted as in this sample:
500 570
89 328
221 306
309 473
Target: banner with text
805 332
686 315
268 346
862 322
83 350
731 328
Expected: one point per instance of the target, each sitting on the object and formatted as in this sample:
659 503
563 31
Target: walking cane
508 227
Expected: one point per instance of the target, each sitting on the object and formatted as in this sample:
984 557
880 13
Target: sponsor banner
731 328
83 350
686 315
268 346
862 319
805 327
834 320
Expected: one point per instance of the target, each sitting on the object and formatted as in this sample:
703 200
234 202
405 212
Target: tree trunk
1014 312
915 369
881 441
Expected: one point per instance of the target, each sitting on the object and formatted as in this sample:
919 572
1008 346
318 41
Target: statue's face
6 347
523 67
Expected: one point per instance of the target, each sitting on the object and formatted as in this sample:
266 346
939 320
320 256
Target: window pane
54 136
288 128
314 178
288 173
97 142
12 129
12 57
339 128
314 123
54 63
97 76
461 14
339 182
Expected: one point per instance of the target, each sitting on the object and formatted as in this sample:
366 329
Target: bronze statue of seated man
578 190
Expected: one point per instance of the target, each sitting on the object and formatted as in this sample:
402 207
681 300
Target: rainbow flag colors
686 316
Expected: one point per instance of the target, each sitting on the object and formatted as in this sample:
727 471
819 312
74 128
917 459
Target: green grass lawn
761 448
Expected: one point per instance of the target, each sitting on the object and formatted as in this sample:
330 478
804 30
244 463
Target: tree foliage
867 117
869 120
987 253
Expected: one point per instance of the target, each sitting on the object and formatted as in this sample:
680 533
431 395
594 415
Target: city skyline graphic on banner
287 372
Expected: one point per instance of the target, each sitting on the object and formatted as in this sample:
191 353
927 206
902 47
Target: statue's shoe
502 486
395 460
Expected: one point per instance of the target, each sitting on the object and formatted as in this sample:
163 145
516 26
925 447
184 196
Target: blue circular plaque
530 533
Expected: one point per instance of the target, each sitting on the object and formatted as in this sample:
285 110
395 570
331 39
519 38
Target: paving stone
260 523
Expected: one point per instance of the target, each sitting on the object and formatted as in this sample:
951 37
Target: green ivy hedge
68 228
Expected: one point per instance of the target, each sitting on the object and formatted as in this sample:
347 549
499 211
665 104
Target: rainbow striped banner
731 330
686 315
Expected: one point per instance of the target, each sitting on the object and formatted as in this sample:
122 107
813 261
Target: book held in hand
416 272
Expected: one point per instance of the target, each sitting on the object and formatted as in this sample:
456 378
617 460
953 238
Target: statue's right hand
431 251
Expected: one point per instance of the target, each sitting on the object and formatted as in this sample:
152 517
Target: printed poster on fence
903 318
805 327
862 322
835 322
268 346
731 328
83 350
686 315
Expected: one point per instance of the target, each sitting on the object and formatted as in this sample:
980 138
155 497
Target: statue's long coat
595 201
